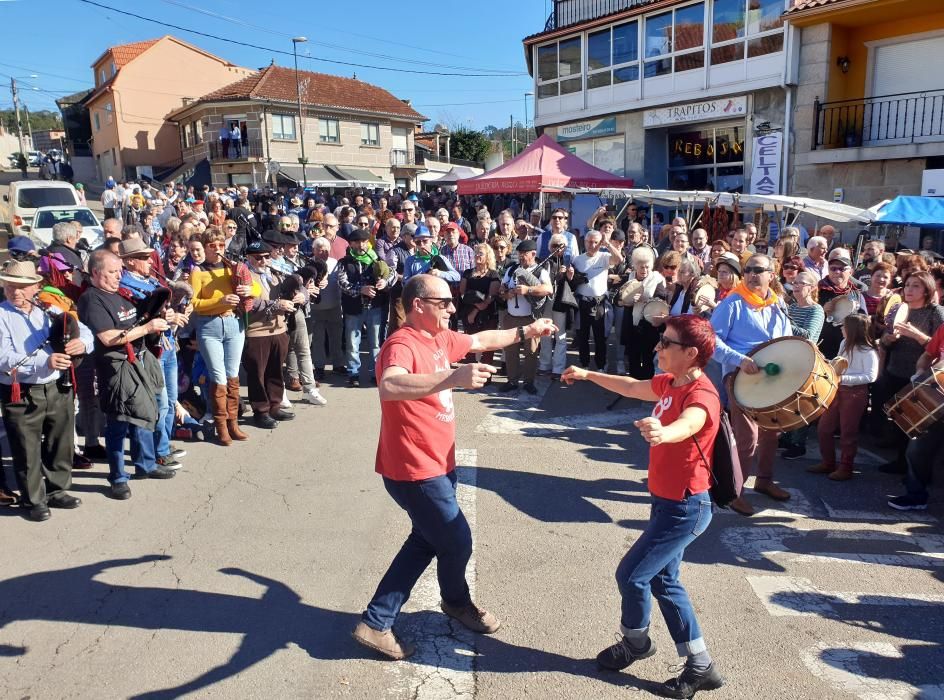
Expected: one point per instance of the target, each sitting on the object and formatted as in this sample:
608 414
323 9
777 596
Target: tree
469 145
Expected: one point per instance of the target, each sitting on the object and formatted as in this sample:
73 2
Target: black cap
274 237
526 245
359 234
258 248
618 236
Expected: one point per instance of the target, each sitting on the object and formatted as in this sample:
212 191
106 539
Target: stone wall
863 183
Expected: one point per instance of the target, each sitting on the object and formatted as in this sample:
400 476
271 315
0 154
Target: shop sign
587 130
702 110
765 166
688 149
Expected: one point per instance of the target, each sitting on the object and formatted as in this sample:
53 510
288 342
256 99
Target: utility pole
16 108
511 135
301 118
29 126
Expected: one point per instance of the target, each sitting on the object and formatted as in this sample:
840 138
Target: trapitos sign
587 130
726 108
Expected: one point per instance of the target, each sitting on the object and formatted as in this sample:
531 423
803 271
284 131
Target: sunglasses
409 210
230 228
668 342
837 268
558 217
260 256
441 302
756 269
670 267
790 267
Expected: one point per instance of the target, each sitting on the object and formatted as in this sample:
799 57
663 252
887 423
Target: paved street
243 576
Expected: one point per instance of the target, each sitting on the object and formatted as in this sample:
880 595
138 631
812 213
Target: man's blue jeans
166 404
370 319
142 449
439 530
220 339
651 568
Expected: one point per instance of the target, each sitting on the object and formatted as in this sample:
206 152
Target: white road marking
789 596
522 422
839 665
869 516
443 667
753 543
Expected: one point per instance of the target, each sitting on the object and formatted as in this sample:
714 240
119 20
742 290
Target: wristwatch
521 336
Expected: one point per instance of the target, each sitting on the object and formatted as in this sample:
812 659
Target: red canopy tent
544 166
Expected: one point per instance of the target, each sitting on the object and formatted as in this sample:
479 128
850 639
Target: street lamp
301 119
527 135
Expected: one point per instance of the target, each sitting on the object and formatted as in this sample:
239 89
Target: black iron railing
248 148
405 159
568 12
907 117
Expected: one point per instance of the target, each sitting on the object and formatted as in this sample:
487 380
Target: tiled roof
126 53
800 5
318 90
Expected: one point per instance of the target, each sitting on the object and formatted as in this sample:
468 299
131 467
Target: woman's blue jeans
651 568
166 404
440 530
220 339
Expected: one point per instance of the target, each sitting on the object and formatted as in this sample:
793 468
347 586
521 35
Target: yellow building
869 115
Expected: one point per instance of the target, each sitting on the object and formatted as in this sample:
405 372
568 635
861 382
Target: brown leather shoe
232 409
293 384
841 474
473 617
8 498
771 490
742 506
821 468
385 642
220 415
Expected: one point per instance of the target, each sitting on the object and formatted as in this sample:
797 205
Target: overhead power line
289 53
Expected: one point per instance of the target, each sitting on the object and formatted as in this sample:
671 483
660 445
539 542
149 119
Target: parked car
26 196
44 218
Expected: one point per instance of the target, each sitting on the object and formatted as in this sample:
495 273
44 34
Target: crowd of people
195 292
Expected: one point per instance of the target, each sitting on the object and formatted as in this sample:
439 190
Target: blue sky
58 39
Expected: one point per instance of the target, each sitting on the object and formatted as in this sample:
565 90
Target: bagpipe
240 276
147 308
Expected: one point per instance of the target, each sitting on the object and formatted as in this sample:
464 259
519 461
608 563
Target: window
98 121
613 55
370 134
109 113
758 21
185 137
101 76
194 133
675 39
112 67
607 153
283 126
329 131
559 68
710 158
114 157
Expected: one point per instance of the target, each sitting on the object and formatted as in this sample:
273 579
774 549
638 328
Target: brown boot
232 409
218 392
842 473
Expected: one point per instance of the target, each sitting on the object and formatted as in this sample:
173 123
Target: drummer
749 316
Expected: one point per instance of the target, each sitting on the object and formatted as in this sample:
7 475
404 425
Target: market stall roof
544 166
821 209
926 212
458 172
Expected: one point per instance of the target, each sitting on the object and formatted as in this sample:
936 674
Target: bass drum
919 405
794 387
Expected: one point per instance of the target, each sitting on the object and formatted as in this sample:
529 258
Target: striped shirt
807 321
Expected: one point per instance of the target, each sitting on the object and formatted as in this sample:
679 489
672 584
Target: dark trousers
263 357
589 322
518 370
439 530
923 454
41 430
885 389
640 342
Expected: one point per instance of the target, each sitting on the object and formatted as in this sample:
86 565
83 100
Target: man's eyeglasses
230 228
410 209
441 302
559 217
667 342
837 268
217 245
756 269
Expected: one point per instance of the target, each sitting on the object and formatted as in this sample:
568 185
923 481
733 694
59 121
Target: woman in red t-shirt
687 409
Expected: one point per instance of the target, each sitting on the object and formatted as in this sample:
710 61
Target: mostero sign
702 110
586 130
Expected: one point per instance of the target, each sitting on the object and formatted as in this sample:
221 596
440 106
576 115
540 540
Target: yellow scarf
753 300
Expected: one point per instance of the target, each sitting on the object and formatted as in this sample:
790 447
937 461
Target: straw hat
20 272
132 247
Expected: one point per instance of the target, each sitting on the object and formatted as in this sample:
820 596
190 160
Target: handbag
726 476
472 297
564 299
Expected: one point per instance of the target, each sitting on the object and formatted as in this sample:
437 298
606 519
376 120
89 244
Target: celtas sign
587 130
765 168
702 110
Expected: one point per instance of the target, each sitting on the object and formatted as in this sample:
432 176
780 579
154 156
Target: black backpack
726 476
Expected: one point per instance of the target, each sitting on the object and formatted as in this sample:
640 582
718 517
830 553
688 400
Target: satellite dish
273 167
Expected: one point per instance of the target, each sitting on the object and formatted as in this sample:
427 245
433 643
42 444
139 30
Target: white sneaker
285 402
313 396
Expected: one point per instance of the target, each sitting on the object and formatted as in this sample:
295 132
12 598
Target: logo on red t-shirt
661 407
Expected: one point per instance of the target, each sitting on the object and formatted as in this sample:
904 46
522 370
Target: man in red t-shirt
416 455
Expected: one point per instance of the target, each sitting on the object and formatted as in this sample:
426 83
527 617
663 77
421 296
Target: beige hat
840 254
20 272
132 247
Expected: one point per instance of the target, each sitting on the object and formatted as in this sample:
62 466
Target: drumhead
653 308
901 315
629 290
842 307
796 359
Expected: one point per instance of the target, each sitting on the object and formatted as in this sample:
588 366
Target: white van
26 196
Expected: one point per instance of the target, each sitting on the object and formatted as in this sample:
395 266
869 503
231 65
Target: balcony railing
248 148
908 117
568 12
405 159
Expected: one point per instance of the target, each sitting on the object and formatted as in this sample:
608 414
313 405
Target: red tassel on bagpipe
130 352
15 396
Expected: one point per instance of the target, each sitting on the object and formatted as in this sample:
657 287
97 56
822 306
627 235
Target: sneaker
620 655
159 472
473 617
530 388
285 402
121 492
168 462
691 681
908 502
176 452
353 381
385 642
313 396
794 452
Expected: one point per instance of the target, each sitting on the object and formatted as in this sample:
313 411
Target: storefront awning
317 176
359 177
